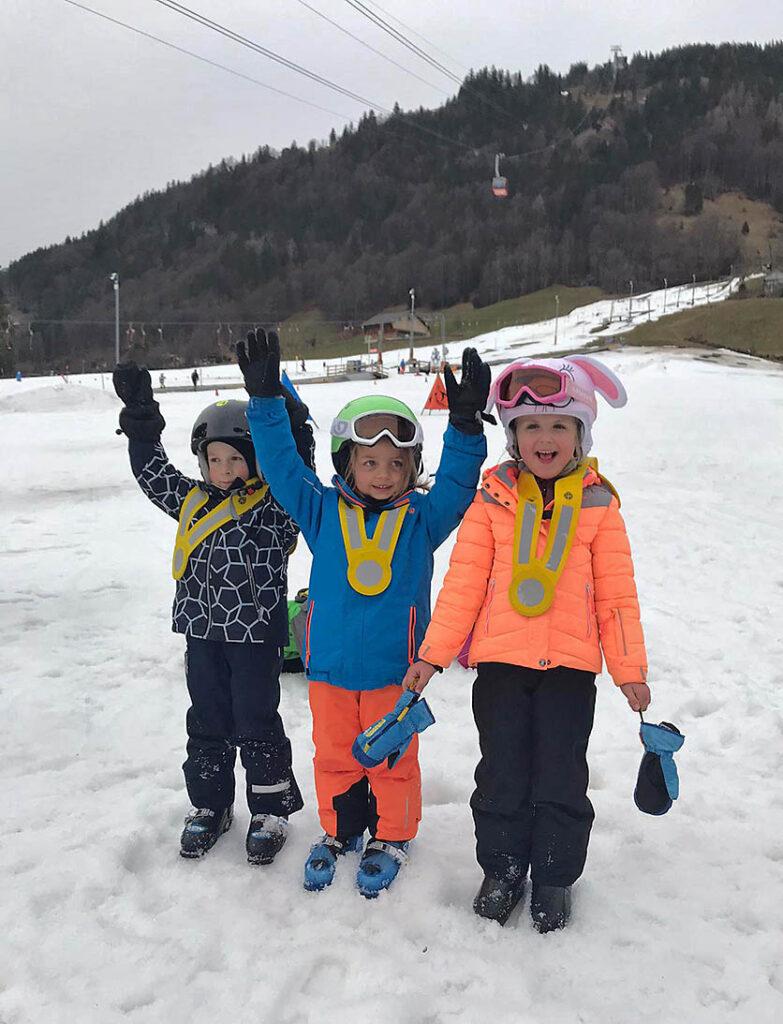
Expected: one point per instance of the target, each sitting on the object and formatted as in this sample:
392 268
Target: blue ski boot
203 828
265 838
322 860
380 863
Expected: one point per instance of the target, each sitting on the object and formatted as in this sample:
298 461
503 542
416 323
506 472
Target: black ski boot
265 838
497 898
550 907
203 828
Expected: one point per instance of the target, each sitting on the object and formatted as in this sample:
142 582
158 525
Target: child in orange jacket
542 574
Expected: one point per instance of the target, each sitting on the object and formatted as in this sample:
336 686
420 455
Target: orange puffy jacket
595 605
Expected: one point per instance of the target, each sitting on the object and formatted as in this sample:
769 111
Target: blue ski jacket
352 640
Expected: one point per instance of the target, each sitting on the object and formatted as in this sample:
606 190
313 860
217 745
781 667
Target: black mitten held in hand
259 361
468 399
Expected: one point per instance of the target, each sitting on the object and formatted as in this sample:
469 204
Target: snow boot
380 864
550 907
322 860
203 828
497 898
265 838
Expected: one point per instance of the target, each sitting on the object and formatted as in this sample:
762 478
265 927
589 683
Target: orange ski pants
352 798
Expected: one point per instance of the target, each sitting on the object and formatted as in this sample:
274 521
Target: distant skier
162 381
194 378
542 574
372 536
230 566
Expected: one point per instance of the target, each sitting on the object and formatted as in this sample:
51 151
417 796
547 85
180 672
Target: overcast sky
92 115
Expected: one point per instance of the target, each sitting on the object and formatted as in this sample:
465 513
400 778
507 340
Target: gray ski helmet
222 421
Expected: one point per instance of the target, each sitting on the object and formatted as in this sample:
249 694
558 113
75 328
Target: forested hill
349 226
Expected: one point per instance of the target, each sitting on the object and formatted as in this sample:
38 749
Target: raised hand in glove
468 399
259 361
141 418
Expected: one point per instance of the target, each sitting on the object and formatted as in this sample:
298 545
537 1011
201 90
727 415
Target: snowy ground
676 919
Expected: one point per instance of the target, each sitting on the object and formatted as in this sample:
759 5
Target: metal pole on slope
115 279
665 287
412 294
557 315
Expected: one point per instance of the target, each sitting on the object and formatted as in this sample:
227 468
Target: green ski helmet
354 424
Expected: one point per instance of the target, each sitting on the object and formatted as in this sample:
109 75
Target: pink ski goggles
542 384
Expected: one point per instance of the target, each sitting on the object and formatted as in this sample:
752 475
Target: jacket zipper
619 619
308 620
489 606
252 582
412 635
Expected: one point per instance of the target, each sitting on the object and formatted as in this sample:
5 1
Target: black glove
132 384
141 419
468 399
259 362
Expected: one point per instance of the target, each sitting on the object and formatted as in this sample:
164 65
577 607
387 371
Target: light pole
115 279
693 291
630 301
557 315
665 286
412 294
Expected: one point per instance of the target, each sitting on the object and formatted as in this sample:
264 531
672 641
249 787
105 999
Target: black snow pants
530 806
235 692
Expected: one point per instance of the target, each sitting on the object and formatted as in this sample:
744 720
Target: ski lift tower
619 63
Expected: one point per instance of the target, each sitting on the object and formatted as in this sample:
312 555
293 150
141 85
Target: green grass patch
752 326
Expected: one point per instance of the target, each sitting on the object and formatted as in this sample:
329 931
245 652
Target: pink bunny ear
605 382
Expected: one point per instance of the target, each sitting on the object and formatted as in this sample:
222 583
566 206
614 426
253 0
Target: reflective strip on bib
534 579
189 537
369 559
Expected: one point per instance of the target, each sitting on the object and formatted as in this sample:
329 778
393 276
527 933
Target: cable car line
207 60
376 19
236 37
291 65
361 42
417 34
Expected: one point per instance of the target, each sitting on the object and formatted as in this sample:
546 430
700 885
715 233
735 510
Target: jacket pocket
252 583
308 624
490 599
619 630
412 635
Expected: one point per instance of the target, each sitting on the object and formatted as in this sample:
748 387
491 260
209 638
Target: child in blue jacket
372 536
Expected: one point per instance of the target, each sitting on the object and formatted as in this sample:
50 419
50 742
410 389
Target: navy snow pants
530 806
235 692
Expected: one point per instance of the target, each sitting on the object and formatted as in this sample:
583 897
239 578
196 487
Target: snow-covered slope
676 919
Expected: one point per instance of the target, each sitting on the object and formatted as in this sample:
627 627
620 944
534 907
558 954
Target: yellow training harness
370 558
190 534
534 579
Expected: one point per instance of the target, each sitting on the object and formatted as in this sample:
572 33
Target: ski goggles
539 383
372 427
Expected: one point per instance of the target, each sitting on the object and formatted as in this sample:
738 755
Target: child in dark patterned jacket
230 566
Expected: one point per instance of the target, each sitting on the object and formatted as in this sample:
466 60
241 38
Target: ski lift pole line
395 34
372 49
413 31
236 37
206 60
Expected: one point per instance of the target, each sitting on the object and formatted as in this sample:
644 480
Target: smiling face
380 471
225 464
546 443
